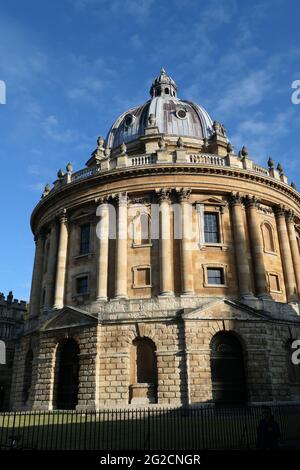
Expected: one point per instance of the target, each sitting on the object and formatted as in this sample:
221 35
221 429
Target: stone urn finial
180 143
100 142
47 190
60 174
270 163
69 167
280 169
152 120
229 148
244 152
293 185
162 143
123 148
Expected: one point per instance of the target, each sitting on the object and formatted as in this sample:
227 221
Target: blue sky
72 66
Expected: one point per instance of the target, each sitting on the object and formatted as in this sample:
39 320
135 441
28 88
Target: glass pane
85 239
211 228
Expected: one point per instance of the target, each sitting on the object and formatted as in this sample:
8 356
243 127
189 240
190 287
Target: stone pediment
69 317
224 309
211 200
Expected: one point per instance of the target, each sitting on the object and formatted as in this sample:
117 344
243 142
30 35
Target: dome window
129 120
181 113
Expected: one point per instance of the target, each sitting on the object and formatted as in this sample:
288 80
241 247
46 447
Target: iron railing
155 428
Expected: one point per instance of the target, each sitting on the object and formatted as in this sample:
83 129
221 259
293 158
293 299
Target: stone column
61 262
186 255
240 244
121 248
256 243
102 250
294 247
286 256
37 276
165 245
51 268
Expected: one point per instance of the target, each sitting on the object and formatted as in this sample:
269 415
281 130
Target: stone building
166 272
12 313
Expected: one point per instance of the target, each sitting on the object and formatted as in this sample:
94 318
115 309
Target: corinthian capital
163 195
235 199
62 215
279 210
122 199
289 214
184 194
251 201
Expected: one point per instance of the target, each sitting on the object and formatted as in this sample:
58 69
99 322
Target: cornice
129 173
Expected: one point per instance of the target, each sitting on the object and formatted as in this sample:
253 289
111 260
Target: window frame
87 224
270 252
135 270
75 280
218 209
208 266
272 273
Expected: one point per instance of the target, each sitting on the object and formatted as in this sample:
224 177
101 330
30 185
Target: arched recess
142 229
268 237
227 369
143 371
292 370
67 375
27 376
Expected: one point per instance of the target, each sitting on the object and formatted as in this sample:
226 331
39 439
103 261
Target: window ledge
142 245
221 246
215 285
85 255
142 287
274 253
75 296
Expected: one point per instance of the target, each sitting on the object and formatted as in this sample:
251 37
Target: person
268 432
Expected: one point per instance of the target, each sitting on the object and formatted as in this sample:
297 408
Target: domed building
166 272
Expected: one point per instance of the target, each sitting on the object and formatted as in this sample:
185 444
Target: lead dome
173 116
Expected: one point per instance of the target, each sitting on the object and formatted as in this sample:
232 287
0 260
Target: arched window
227 369
27 376
167 92
67 375
293 370
268 238
143 371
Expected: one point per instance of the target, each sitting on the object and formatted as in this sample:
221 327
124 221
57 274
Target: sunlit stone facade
166 272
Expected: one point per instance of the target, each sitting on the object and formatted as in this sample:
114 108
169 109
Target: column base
166 294
188 294
58 307
101 299
120 297
247 296
265 296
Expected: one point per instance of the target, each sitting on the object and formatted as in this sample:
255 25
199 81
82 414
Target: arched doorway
143 372
67 375
227 369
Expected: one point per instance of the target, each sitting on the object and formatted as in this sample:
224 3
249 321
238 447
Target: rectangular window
85 236
274 282
82 285
215 276
141 276
211 227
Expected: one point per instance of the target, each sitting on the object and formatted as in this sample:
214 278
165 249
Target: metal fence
156 428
